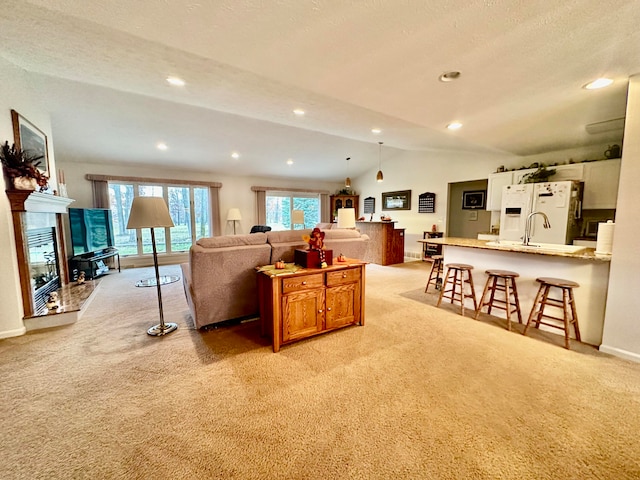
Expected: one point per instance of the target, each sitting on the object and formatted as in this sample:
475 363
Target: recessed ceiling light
599 83
289 162
454 126
376 131
299 112
175 81
162 146
235 155
449 76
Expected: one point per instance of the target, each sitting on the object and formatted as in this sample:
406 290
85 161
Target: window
188 207
280 205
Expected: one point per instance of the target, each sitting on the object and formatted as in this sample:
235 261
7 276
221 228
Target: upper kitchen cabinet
601 184
572 171
494 188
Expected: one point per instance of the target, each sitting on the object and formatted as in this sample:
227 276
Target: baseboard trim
13 333
618 352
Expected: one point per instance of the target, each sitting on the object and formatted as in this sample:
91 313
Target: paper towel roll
604 243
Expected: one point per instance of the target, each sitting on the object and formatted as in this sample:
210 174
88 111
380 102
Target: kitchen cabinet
572 171
600 179
343 201
601 184
518 175
311 301
494 188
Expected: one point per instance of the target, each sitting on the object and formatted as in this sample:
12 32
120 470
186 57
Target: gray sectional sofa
220 280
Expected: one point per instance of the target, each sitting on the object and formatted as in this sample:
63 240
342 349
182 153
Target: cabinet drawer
296 284
343 276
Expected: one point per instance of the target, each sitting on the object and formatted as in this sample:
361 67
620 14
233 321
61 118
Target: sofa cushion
326 226
287 236
233 240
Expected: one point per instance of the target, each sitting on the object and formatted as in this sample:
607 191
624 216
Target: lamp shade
234 214
297 217
149 212
346 218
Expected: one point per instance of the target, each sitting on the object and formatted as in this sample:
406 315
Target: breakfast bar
580 264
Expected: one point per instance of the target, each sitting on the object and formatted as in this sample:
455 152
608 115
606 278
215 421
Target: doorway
467 222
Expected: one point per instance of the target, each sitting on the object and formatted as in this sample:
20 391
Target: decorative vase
25 183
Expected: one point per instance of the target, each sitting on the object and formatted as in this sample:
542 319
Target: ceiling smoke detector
449 76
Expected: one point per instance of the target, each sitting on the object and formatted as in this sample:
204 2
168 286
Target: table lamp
346 218
152 212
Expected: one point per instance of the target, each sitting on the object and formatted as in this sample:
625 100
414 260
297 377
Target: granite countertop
586 253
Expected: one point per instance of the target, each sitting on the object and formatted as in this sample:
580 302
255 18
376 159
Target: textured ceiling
351 65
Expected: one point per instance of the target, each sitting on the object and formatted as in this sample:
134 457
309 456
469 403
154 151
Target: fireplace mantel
32 201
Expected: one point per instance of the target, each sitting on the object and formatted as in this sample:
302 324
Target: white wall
235 192
621 327
15 94
420 172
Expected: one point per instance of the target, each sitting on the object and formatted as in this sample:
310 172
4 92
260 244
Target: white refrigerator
561 202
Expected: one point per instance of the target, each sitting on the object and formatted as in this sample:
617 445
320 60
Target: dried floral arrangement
20 163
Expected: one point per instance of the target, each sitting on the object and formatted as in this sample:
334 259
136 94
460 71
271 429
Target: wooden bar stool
435 273
508 286
567 304
455 277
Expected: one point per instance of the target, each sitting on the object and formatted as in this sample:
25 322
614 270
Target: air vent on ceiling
606 126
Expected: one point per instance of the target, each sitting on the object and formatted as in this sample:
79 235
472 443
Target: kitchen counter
591 271
585 254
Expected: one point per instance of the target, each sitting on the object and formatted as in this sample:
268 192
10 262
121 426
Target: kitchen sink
537 247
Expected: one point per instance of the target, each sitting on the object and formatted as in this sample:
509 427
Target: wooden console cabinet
311 301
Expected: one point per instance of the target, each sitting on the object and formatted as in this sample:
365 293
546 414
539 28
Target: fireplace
40 251
43 263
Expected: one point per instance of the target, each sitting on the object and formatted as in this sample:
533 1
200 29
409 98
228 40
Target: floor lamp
297 218
234 216
152 212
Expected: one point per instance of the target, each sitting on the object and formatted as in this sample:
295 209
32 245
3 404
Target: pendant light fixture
347 181
379 176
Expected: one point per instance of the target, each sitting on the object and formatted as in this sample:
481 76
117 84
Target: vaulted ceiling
100 68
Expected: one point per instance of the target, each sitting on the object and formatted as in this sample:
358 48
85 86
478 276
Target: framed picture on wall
400 200
474 199
31 139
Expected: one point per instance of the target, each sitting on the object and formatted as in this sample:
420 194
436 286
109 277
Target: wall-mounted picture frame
400 200
31 139
474 199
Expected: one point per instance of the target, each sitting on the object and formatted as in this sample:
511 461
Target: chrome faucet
527 227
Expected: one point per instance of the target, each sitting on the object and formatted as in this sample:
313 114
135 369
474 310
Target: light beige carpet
417 393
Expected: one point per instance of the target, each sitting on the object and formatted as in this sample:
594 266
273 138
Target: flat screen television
91 229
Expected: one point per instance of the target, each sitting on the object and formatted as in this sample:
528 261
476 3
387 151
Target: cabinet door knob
344 275
320 311
328 309
304 283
